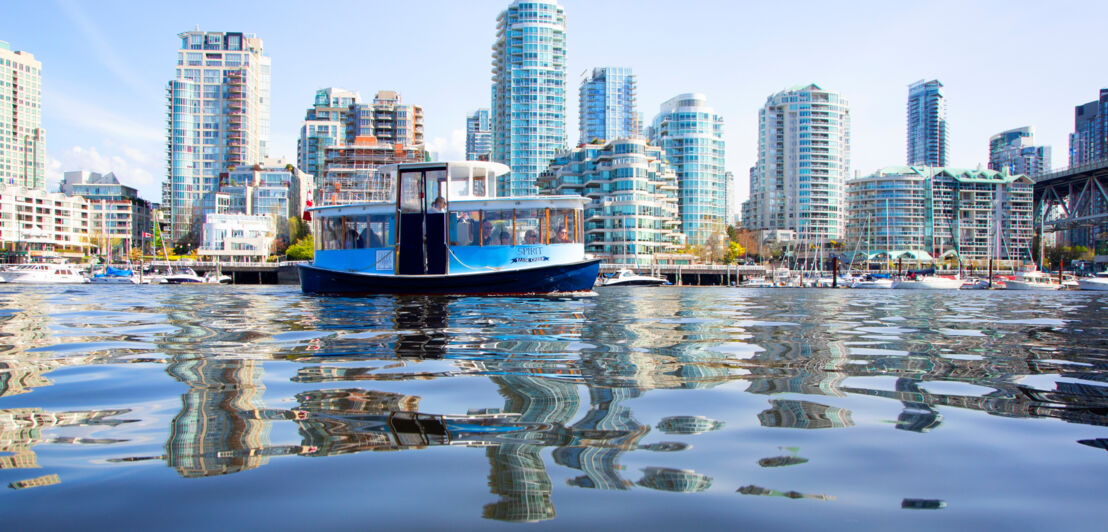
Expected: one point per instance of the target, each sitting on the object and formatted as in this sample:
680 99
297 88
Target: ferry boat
443 229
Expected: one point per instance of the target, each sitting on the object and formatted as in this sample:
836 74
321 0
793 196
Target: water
181 407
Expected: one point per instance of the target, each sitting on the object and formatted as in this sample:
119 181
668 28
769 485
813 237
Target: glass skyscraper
608 106
1012 150
691 133
218 117
1089 140
22 139
529 91
478 135
927 136
803 163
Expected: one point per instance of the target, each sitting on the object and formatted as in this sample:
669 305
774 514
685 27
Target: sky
1004 64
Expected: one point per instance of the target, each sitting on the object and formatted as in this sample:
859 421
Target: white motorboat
869 281
1032 280
757 282
215 277
1099 282
181 276
43 273
928 282
627 277
975 283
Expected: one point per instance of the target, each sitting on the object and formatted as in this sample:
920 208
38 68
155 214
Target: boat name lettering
530 259
528 251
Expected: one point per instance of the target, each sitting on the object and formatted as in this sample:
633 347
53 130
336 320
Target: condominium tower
803 162
927 135
529 91
631 215
1013 151
607 105
1089 140
22 139
338 119
218 117
326 123
691 134
478 135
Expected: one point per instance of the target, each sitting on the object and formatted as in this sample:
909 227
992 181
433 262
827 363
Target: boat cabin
446 218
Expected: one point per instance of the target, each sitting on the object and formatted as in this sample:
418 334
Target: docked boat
872 281
927 280
43 273
112 275
181 276
443 229
216 277
1032 280
625 277
1098 282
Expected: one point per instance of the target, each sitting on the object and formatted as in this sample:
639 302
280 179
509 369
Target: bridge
1073 202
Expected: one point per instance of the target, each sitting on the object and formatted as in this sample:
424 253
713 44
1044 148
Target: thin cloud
92 117
104 52
453 149
130 172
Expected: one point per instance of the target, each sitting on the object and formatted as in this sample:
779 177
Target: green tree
303 249
298 229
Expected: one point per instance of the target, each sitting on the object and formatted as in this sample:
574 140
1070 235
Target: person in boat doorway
531 237
439 205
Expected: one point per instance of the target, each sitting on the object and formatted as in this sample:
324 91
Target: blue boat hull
574 277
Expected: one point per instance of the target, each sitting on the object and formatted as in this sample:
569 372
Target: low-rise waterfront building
922 213
631 217
37 226
237 237
119 219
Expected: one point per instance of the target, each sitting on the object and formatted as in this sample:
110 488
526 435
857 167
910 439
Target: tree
734 253
303 249
298 229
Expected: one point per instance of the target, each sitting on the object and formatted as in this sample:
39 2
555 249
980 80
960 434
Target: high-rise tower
927 134
1089 140
803 163
691 133
529 91
22 139
607 105
218 117
478 136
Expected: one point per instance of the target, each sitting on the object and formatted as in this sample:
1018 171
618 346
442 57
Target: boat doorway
421 202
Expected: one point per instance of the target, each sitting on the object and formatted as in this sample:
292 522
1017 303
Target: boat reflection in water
554 395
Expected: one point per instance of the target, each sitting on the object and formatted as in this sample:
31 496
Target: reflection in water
550 388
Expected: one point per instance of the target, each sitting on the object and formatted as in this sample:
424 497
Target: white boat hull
1099 284
876 283
928 283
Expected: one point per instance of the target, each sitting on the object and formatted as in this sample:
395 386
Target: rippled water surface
183 407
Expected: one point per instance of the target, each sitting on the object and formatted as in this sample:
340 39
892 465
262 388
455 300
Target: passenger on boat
562 236
531 238
439 205
505 238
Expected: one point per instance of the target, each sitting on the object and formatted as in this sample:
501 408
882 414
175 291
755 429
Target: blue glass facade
325 124
928 142
529 92
1089 140
608 105
691 134
478 135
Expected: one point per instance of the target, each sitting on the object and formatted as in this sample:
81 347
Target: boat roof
511 202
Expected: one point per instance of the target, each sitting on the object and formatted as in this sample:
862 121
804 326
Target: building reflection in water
681 480
220 428
758 490
796 414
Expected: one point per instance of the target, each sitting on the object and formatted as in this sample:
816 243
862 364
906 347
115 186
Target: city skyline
103 78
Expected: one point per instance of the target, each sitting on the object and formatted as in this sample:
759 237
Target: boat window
479 186
459 186
409 192
530 226
496 228
332 233
382 230
464 228
563 226
436 186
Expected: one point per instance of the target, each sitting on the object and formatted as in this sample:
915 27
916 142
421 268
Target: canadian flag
307 216
147 235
